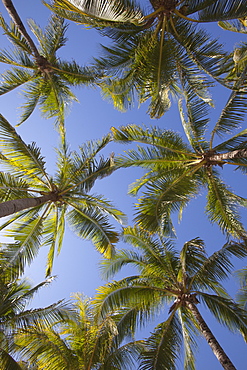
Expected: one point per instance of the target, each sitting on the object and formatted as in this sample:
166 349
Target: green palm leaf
226 312
175 171
222 207
88 223
48 79
83 341
18 153
111 12
64 197
167 276
14 35
189 337
223 10
162 347
14 78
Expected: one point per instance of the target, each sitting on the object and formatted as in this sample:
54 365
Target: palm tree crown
36 220
82 343
176 170
153 52
181 280
46 78
16 295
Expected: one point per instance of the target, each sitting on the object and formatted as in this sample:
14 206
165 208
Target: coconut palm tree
177 170
16 295
38 204
183 280
84 343
152 52
47 80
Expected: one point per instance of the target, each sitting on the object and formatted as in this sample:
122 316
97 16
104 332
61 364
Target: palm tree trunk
16 205
239 153
17 21
212 341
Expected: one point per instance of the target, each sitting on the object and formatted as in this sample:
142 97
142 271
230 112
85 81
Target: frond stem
151 15
184 17
161 51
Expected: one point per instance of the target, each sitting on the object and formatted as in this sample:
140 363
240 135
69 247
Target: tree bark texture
210 338
12 206
239 153
17 21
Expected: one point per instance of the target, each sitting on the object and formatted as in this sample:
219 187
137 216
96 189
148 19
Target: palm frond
27 231
55 98
192 256
90 223
165 140
14 78
166 195
237 141
114 11
222 207
25 158
53 37
206 53
189 338
76 75
48 315
53 233
234 111
12 187
162 347
132 293
45 348
194 118
217 267
223 10
32 95
15 36
125 357
233 26
198 5
226 311
109 267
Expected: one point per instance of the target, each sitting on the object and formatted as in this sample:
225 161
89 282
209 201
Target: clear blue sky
77 265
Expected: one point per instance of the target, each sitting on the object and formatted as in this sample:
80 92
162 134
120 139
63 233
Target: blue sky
77 265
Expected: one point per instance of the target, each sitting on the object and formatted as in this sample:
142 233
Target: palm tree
177 170
16 295
84 343
38 204
46 78
152 52
181 280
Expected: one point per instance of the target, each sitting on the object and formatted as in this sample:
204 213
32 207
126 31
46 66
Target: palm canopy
125 14
16 295
152 52
178 279
176 170
47 78
84 343
64 196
